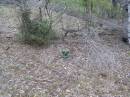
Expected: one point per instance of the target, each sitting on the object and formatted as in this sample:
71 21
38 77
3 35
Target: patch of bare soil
98 65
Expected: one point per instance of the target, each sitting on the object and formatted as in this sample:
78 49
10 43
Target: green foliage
35 32
102 8
74 5
65 54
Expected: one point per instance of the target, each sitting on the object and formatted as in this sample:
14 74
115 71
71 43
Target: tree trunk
129 22
40 12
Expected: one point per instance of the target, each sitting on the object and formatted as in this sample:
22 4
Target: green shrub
102 8
36 32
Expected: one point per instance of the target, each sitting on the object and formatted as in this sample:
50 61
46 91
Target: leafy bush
35 32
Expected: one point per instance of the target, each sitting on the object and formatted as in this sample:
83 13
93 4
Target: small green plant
65 53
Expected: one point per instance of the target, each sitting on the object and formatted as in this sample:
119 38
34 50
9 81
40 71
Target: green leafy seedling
65 53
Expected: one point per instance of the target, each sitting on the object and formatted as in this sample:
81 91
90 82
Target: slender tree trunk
128 22
40 12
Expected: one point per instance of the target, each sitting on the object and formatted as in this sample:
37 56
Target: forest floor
98 63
